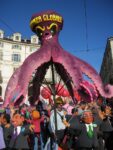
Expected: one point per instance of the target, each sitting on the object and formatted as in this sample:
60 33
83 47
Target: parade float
71 70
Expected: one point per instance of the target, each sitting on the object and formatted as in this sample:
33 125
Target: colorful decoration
59 89
46 93
71 69
88 91
65 93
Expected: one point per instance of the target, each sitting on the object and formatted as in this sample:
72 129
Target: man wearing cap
61 121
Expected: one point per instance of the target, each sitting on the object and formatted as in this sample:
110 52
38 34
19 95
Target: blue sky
15 16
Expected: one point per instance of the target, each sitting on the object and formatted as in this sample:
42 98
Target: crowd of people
89 126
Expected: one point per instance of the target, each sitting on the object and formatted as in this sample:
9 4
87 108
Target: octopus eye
39 33
53 27
53 30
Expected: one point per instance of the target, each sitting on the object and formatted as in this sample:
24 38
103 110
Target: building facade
106 71
13 51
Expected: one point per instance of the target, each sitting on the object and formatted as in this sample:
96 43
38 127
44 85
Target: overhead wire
86 34
90 49
8 26
86 25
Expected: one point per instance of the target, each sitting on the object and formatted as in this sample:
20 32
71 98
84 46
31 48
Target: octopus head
46 24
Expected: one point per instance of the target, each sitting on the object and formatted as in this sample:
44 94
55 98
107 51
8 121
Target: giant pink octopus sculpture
47 26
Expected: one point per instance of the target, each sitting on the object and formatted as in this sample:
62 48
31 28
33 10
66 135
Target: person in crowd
106 126
19 133
68 105
61 123
35 121
71 132
7 128
87 138
82 106
2 142
39 106
45 134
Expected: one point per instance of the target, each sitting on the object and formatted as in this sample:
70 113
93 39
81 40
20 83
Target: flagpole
54 94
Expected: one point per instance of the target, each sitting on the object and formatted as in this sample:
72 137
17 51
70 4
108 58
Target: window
16 57
34 40
33 49
17 38
1 44
1 55
16 47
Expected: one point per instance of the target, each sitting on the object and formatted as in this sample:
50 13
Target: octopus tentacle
21 78
11 86
105 91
